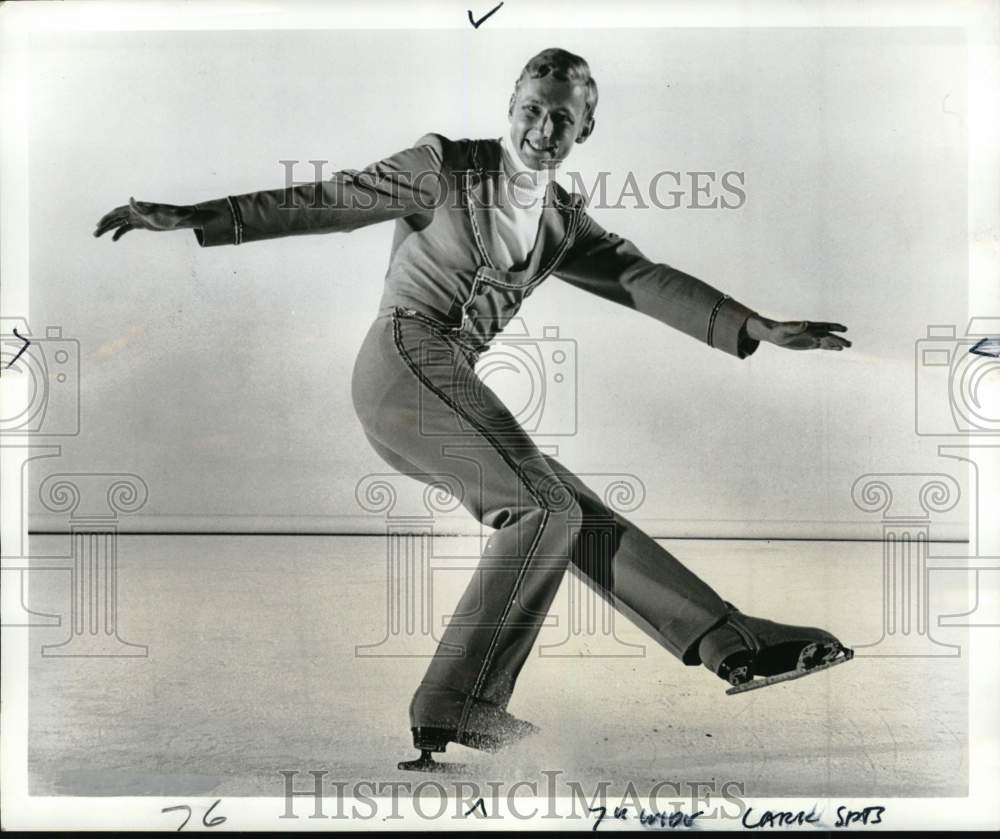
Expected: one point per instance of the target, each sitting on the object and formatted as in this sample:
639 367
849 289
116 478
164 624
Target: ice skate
751 653
430 740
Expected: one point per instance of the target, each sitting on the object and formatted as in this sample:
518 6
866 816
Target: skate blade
432 766
767 681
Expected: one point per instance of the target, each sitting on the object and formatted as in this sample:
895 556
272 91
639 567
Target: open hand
143 215
798 334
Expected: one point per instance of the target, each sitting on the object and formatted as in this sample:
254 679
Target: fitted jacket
439 194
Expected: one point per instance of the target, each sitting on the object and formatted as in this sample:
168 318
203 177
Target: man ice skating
479 224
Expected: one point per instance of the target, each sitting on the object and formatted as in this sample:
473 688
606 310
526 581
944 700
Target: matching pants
427 414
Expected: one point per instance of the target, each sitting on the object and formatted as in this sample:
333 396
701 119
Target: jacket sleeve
408 182
612 267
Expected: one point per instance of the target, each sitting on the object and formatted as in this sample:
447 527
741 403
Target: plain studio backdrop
221 376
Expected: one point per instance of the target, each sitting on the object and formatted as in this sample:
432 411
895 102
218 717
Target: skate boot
752 653
430 740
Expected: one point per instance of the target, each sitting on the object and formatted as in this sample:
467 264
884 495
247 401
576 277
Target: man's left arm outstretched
609 266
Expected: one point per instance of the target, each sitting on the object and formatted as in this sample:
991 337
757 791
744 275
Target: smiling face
547 117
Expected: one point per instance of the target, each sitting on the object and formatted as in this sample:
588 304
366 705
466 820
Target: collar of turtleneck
531 182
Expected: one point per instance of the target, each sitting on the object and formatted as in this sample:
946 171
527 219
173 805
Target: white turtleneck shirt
519 208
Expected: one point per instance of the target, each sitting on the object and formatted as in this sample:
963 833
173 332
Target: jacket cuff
221 228
727 328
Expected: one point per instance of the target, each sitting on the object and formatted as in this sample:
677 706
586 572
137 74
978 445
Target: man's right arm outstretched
404 184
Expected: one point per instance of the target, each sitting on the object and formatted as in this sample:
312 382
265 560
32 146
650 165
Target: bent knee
535 512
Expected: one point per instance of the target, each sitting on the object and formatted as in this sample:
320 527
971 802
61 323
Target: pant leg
643 580
418 398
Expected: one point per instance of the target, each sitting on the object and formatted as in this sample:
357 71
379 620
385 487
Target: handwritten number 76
205 820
